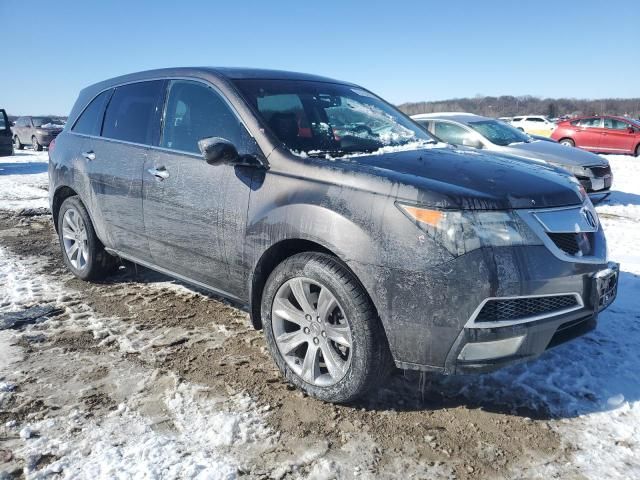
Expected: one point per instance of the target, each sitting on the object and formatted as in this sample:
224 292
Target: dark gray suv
356 240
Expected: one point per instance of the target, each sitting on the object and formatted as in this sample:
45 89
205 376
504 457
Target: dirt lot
416 426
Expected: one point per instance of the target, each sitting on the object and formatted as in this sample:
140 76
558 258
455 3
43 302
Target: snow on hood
52 125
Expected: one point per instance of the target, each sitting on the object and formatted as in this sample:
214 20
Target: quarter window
195 111
90 121
133 114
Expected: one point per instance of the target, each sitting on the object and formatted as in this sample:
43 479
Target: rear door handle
160 173
90 155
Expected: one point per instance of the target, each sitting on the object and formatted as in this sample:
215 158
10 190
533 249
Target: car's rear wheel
322 329
638 150
82 251
567 142
17 143
35 144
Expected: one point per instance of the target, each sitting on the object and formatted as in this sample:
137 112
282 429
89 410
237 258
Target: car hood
470 179
555 153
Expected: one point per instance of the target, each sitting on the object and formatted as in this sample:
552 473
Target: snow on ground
126 443
23 180
591 385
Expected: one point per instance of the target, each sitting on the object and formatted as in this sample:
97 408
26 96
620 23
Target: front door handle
160 173
90 155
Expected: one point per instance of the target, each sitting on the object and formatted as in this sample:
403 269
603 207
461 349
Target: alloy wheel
75 239
311 331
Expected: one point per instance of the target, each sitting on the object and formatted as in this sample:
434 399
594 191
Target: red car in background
605 134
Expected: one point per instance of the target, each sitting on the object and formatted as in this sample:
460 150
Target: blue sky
402 50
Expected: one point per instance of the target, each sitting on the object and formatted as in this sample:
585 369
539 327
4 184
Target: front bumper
426 314
487 349
46 139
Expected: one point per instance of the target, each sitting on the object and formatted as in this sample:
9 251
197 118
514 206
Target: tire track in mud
178 333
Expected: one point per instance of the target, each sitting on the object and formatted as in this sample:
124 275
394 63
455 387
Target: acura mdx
355 239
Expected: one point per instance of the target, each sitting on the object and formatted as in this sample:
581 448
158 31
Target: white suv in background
534 125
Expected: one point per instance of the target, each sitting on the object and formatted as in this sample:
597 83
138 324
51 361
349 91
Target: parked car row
465 129
356 239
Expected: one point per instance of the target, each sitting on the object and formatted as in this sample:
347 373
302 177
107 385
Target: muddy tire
82 251
17 144
35 144
322 329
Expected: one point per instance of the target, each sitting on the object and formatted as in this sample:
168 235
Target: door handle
90 155
160 173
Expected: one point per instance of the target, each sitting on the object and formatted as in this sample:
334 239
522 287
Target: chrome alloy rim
311 331
74 238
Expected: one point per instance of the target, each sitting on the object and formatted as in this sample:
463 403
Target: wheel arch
274 256
60 195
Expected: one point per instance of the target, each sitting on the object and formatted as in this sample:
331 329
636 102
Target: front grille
576 244
520 308
567 242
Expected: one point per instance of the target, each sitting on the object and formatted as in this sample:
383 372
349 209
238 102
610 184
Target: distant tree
509 106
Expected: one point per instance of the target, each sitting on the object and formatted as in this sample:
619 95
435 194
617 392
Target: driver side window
450 133
195 111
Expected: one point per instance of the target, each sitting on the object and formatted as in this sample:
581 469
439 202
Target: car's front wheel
35 144
322 329
82 251
17 143
567 142
638 150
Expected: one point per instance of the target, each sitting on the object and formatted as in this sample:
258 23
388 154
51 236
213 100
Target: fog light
490 350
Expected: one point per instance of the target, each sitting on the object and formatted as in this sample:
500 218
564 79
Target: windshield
318 118
40 121
499 133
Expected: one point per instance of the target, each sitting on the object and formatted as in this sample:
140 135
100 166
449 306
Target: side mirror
472 142
218 151
631 130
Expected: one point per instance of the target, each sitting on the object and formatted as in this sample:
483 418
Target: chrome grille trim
471 323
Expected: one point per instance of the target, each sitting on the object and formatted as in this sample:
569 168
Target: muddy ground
416 426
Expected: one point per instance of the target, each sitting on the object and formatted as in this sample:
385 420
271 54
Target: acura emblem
589 217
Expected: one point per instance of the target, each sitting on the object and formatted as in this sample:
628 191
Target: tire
638 150
567 142
90 261
357 369
35 145
17 144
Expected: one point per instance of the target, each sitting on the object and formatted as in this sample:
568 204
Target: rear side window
195 111
133 114
589 122
90 122
535 119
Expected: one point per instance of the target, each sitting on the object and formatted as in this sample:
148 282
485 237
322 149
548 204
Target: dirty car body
470 264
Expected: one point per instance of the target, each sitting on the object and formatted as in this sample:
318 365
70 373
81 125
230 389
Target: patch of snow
24 180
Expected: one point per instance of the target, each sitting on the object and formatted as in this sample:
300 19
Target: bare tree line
509 106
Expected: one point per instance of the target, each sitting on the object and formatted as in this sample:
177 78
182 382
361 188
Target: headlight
461 231
576 170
